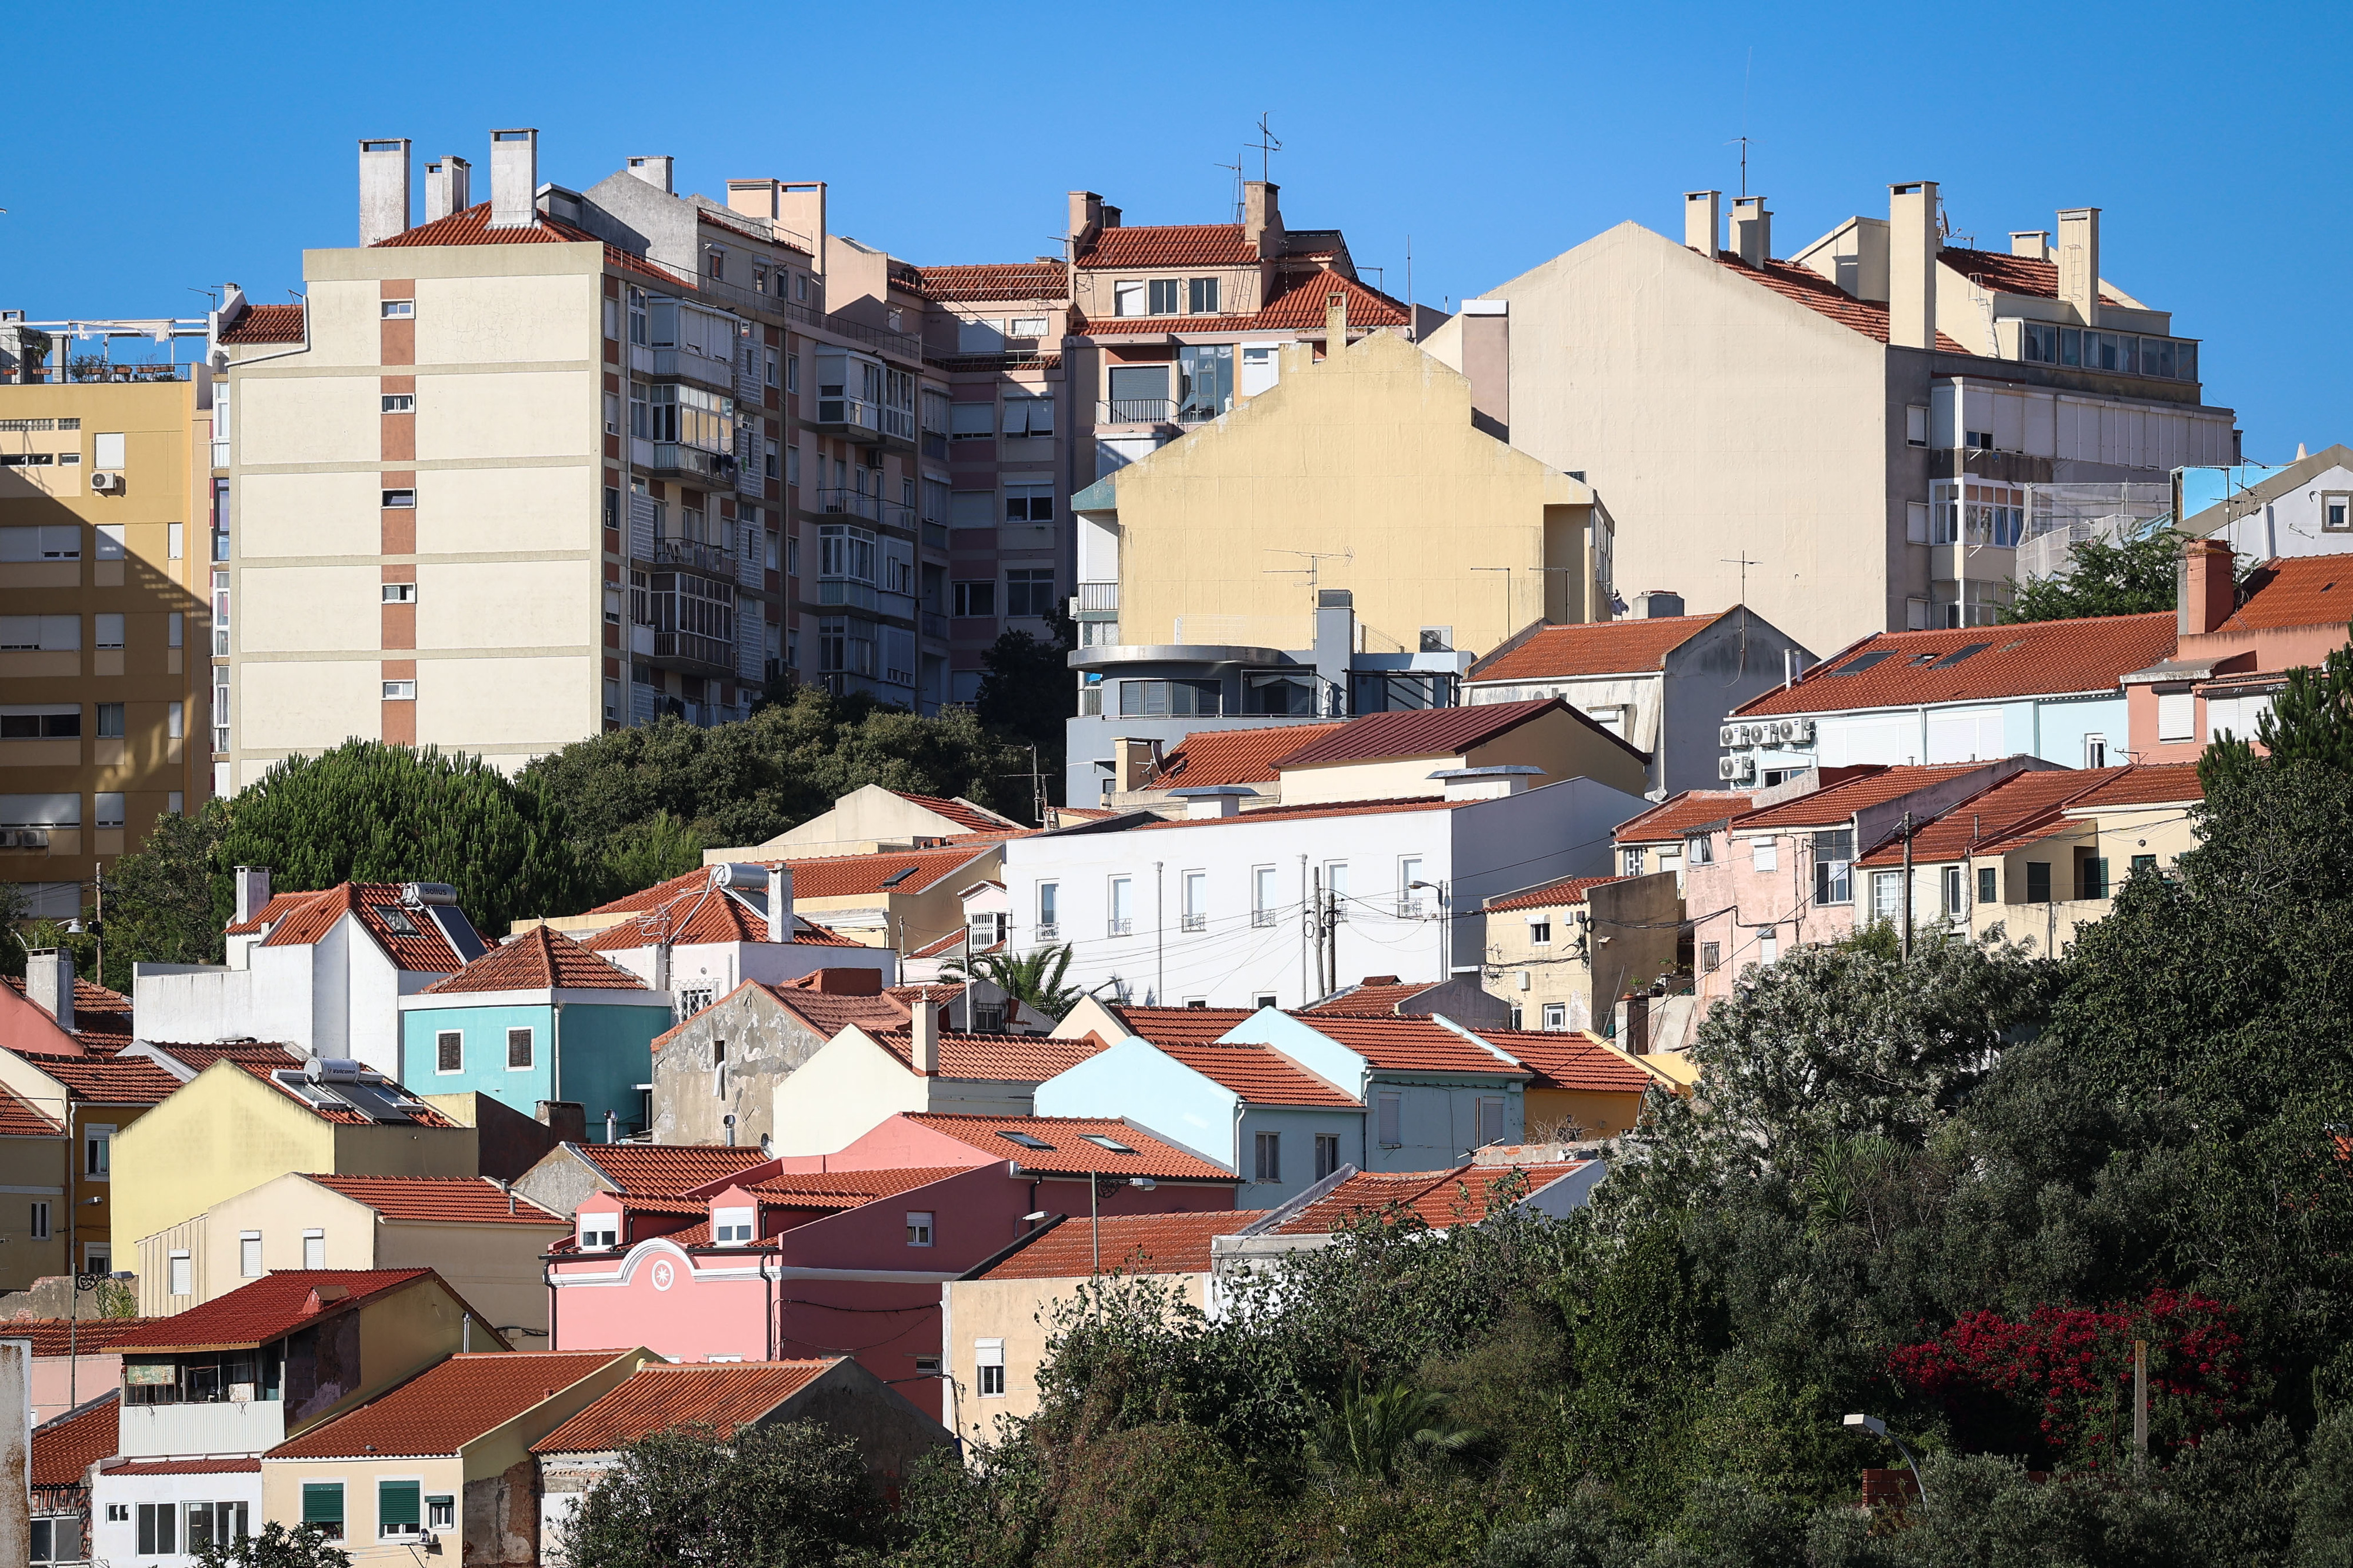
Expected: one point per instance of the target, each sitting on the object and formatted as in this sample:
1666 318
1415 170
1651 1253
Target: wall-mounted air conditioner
1736 768
106 483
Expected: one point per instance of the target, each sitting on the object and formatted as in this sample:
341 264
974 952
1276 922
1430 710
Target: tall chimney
383 188
780 903
49 983
655 170
924 1028
514 179
1911 246
252 885
2210 593
448 187
2034 244
1752 230
1487 362
1133 762
1335 322
1704 221
1086 217
2079 262
1262 218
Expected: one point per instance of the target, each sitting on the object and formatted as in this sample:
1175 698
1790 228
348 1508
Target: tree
304 1546
2134 577
1027 693
1370 1430
1032 979
791 1494
2311 719
159 898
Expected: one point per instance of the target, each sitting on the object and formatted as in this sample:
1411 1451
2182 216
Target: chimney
1638 1023
514 179
780 903
1911 246
1214 801
844 981
1497 783
1262 218
2209 594
2079 262
1133 762
656 172
383 188
2034 244
1086 217
1110 216
1752 230
1487 361
1704 221
1335 322
252 885
49 983
448 187
924 1028
1659 605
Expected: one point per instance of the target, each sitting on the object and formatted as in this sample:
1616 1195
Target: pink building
845 1253
2237 643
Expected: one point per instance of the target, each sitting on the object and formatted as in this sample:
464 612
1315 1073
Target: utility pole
2140 1405
1314 913
1907 887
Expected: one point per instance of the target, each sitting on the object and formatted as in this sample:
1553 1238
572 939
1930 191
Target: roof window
394 920
895 878
1857 665
1959 654
1103 1141
1025 1140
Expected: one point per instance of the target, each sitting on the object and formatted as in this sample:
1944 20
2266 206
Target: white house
1214 906
2304 508
733 922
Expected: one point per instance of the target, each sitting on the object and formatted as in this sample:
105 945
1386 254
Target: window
175 545
109 540
398 499
988 1366
1956 887
1335 887
1204 381
214 1524
1491 1121
44 542
1886 895
98 1152
1030 591
175 716
441 1511
38 1224
449 1051
1711 957
1408 895
1988 885
1765 854
400 593
1540 931
1555 1015
399 1509
1138 391
399 310
1163 297
1975 513
1196 915
2095 750
1768 945
45 634
1028 503
400 691
54 725
248 1253
518 1047
1630 861
1269 1150
975 598
2094 878
158 1527
179 1275
2176 716
1049 910
919 1227
1127 298
1915 424
1161 698
1027 327
600 1231
1122 907
323 1504
314 1250
1264 900
1327 1151
406 402
1699 849
1028 416
1389 1110
2038 881
110 721
1834 867
118 1513
2337 512
1201 297
59 1539
731 1225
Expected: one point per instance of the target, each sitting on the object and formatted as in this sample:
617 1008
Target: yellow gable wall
1370 452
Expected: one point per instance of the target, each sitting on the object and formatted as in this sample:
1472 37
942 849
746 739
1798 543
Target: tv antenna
1747 71
1744 562
1268 144
1315 559
1236 169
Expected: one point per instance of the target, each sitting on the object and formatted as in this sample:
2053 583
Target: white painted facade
852 1086
114 1540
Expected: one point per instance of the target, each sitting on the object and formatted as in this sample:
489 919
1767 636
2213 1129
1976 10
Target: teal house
540 1018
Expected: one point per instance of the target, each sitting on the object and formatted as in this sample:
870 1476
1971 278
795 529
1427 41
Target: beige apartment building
104 513
1855 438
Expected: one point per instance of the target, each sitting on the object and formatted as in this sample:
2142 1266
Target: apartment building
103 508
1888 397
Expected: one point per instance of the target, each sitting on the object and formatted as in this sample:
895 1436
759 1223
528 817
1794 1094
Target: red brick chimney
2210 593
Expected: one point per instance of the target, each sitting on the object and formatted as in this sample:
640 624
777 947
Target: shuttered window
323 1504
399 1507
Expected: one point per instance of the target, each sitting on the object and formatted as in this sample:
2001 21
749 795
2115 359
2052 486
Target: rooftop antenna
1747 71
1409 283
1313 558
1236 167
1268 144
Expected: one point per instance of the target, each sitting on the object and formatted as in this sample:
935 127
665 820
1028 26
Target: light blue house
540 1019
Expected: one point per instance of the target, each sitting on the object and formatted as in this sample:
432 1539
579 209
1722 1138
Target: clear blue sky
150 150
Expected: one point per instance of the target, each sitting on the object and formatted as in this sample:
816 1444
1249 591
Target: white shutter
2176 716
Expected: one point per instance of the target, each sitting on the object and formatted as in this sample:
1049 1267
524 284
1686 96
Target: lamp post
1878 1428
82 1283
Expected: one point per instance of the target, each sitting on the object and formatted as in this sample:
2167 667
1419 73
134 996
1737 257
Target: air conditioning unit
23 838
1799 728
1729 735
106 481
1735 768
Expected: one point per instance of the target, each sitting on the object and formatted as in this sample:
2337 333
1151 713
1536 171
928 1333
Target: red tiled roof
844 1189
977 818
1008 1058
722 1396
1300 307
19 1119
1604 648
1899 670
1074 1152
1838 803
2009 274
1411 1045
460 1200
666 1170
106 1081
1170 245
266 324
1209 757
826 1013
1165 1026
847 876
277 907
269 1308
1679 815
695 911
187 1467
1130 1243
1039 281
1566 1058
1439 1198
1550 895
64 1450
1418 732
1371 1000
197 1058
540 959
472 227
2295 591
1261 1075
1820 295
2147 783
2024 804
90 1336
447 1405
97 1011
421 948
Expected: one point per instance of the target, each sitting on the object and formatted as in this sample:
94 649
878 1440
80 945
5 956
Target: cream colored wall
1559 743
36 1169
495 1267
316 419
846 1089
1371 452
1553 975
1020 1312
223 1133
281 1499
307 608
411 1329
304 516
281 1209
539 509
861 821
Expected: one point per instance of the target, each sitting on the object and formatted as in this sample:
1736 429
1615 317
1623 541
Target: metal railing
1096 596
1136 410
695 647
872 507
934 625
898 345
700 557
671 458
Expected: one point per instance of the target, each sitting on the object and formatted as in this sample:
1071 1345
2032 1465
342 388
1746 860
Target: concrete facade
1564 964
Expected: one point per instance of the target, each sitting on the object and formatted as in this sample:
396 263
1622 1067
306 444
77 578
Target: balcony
1152 411
852 418
664 458
1095 602
706 558
715 657
687 364
934 625
905 347
847 592
872 507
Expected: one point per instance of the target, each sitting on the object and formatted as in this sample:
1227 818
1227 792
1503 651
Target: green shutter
323 1502
397 1503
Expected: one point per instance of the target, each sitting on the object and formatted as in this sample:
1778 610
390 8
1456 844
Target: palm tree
1369 1431
1036 980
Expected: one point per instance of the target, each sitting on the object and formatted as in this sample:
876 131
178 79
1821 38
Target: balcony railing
1136 410
693 462
853 416
936 626
1096 600
903 346
1116 926
849 592
696 649
872 507
706 558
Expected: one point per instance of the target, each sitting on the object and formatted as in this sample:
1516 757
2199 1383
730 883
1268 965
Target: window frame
923 1227
1266 1154
528 1036
445 1059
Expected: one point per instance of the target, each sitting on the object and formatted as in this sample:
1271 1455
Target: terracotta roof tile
106 1081
1170 245
198 1057
1411 1045
269 1307
2026 803
187 1467
459 1200
1441 1199
2146 784
65 1448
695 911
1679 815
1209 757
1604 648
1569 1058
1419 732
1819 294
2009 274
98 1012
2297 591
266 324
90 1336
1261 1075
666 1170
1372 999
976 818
1006 1058
1550 896
1837 805
1899 670
1074 1151
1039 281
1300 307
447 1405
724 1396
1130 1244
472 227
278 907
408 937
843 1189
540 959
19 1119
1165 1026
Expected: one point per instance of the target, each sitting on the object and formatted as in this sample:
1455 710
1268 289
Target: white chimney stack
1752 230
655 172
383 188
252 884
1911 246
514 179
1487 365
780 903
2079 262
448 187
49 983
924 1028
1703 221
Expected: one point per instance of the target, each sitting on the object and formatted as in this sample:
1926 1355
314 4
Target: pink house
845 1253
2237 643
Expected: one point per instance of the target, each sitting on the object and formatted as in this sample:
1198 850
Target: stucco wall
1021 1314
765 1045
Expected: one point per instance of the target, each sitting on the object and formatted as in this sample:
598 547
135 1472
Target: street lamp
1878 1428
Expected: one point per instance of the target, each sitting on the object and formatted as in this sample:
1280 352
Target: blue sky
162 149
